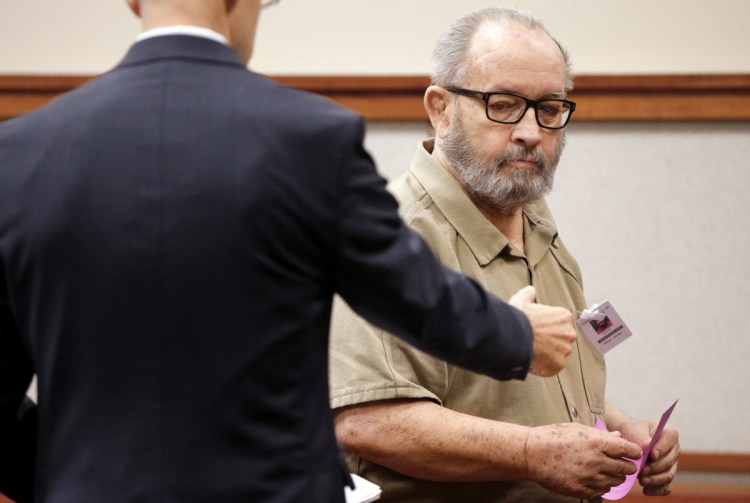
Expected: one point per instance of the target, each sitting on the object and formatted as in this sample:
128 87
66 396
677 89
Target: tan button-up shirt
368 364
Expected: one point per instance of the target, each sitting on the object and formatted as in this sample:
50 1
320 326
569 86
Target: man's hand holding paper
658 465
578 460
661 466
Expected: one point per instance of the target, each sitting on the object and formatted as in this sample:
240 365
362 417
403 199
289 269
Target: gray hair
450 53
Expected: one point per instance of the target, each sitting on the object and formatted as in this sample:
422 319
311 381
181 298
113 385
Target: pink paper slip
619 491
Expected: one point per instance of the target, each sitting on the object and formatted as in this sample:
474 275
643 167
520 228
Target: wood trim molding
399 98
715 462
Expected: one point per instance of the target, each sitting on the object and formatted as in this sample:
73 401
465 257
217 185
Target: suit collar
180 47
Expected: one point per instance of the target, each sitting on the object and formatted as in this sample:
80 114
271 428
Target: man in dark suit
171 236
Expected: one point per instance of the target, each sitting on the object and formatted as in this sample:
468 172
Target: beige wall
396 36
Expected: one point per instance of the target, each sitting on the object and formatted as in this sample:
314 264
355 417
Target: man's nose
527 130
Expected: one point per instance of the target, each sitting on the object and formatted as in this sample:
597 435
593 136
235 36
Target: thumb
525 295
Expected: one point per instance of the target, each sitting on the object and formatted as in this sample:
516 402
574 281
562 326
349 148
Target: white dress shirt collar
183 29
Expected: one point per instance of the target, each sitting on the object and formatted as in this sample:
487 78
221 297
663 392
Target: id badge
603 327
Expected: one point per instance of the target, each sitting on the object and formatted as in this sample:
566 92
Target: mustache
518 153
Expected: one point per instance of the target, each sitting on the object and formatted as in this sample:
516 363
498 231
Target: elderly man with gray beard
425 430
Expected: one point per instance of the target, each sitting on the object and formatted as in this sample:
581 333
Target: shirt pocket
594 373
593 368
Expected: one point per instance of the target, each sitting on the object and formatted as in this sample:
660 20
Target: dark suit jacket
171 236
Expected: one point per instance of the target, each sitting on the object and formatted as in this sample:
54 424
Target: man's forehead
510 55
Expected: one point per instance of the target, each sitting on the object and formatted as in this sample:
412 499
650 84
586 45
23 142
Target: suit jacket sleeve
17 412
389 276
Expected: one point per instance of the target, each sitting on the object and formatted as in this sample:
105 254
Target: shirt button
574 412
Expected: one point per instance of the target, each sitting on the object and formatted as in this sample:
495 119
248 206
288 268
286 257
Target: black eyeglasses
509 108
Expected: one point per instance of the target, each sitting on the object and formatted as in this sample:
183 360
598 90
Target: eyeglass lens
509 108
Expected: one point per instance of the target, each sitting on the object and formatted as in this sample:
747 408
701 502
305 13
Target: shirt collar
183 29
484 239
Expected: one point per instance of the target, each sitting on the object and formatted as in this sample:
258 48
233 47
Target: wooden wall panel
399 98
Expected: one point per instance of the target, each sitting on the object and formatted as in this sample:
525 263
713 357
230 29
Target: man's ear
437 103
135 6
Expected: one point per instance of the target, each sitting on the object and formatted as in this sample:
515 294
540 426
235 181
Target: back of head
236 20
450 53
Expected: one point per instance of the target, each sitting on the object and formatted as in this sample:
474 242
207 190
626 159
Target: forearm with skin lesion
421 439
424 440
